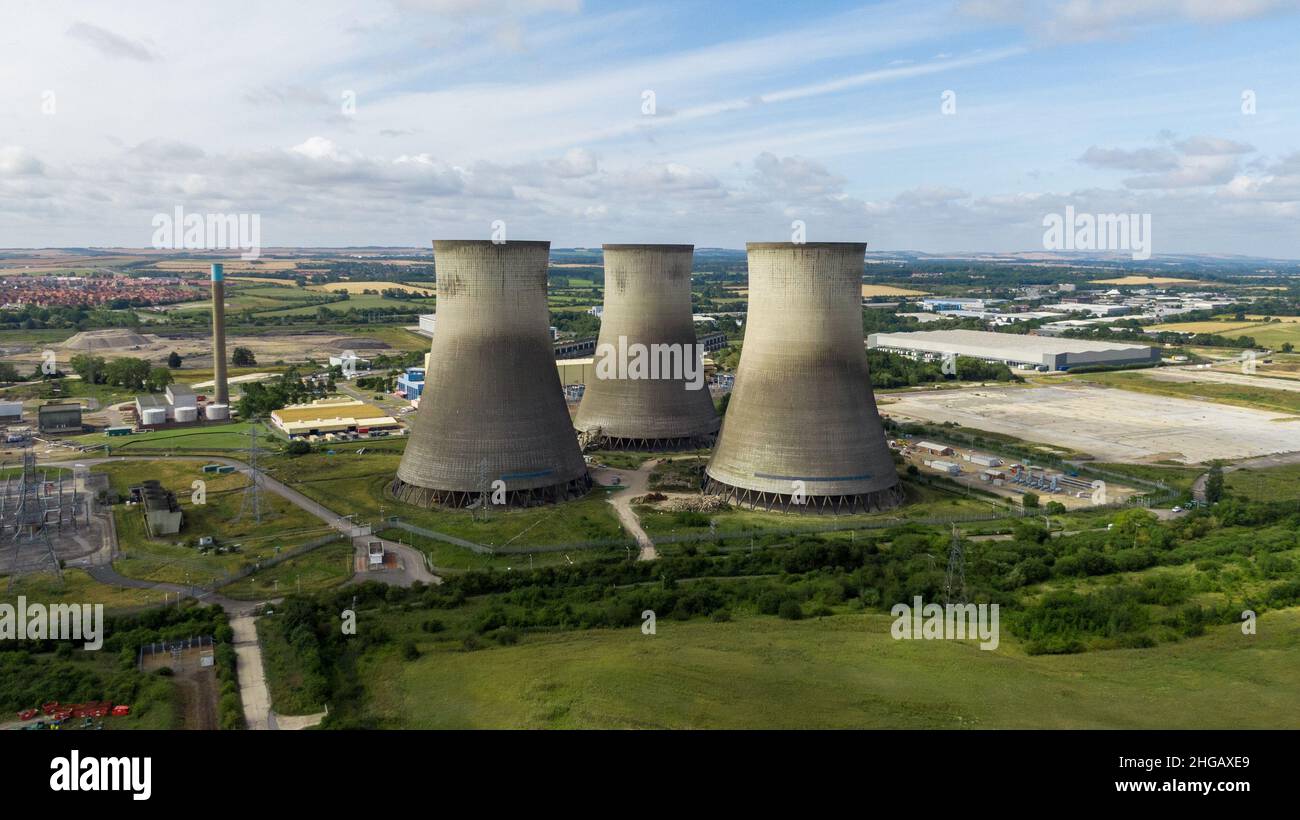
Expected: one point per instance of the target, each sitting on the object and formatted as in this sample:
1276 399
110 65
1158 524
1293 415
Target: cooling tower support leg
836 504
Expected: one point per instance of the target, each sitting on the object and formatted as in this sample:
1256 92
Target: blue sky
531 112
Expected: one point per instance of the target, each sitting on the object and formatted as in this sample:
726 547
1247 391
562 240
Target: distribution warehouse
1037 352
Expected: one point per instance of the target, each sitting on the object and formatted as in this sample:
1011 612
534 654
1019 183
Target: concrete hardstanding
647 302
222 387
492 406
802 419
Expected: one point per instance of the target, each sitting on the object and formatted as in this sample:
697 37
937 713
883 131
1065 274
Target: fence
283 555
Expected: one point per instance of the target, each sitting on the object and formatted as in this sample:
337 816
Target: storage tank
153 415
492 408
647 316
217 412
801 431
187 414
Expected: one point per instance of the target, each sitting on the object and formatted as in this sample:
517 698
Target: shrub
790 610
410 651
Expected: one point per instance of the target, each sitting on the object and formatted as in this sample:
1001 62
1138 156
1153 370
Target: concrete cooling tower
649 392
802 424
492 408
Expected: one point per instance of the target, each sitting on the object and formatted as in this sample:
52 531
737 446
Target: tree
242 357
133 374
1287 347
8 373
174 360
159 378
1214 485
1030 501
91 369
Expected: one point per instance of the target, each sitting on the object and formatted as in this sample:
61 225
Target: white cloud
111 44
1075 20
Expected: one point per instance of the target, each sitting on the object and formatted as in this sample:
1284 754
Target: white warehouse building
1029 352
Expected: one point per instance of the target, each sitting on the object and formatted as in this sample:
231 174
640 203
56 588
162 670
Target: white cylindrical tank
187 413
217 412
153 415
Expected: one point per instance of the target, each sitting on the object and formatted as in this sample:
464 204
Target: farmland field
358 287
869 291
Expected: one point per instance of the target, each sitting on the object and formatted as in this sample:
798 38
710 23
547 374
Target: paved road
252 680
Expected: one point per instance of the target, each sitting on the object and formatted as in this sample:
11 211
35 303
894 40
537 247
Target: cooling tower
649 392
802 423
221 386
492 407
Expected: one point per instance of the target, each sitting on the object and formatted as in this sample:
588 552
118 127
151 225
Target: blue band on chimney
217 274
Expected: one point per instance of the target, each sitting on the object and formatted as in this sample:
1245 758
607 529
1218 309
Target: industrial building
1027 352
802 431
493 418
411 383
11 412
177 405
1089 307
648 306
62 417
162 513
428 323
338 414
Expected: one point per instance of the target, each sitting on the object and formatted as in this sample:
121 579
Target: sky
940 127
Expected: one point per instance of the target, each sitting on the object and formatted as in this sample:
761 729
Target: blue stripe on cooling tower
537 474
810 478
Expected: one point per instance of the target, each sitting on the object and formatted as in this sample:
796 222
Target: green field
923 502
77 587
321 569
208 438
1273 484
356 484
843 671
358 302
169 558
1267 334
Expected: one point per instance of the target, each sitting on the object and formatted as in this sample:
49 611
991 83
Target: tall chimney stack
219 335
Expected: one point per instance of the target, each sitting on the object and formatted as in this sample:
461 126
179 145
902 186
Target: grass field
77 588
843 671
357 484
359 302
216 437
923 502
321 569
1278 401
165 559
1271 484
